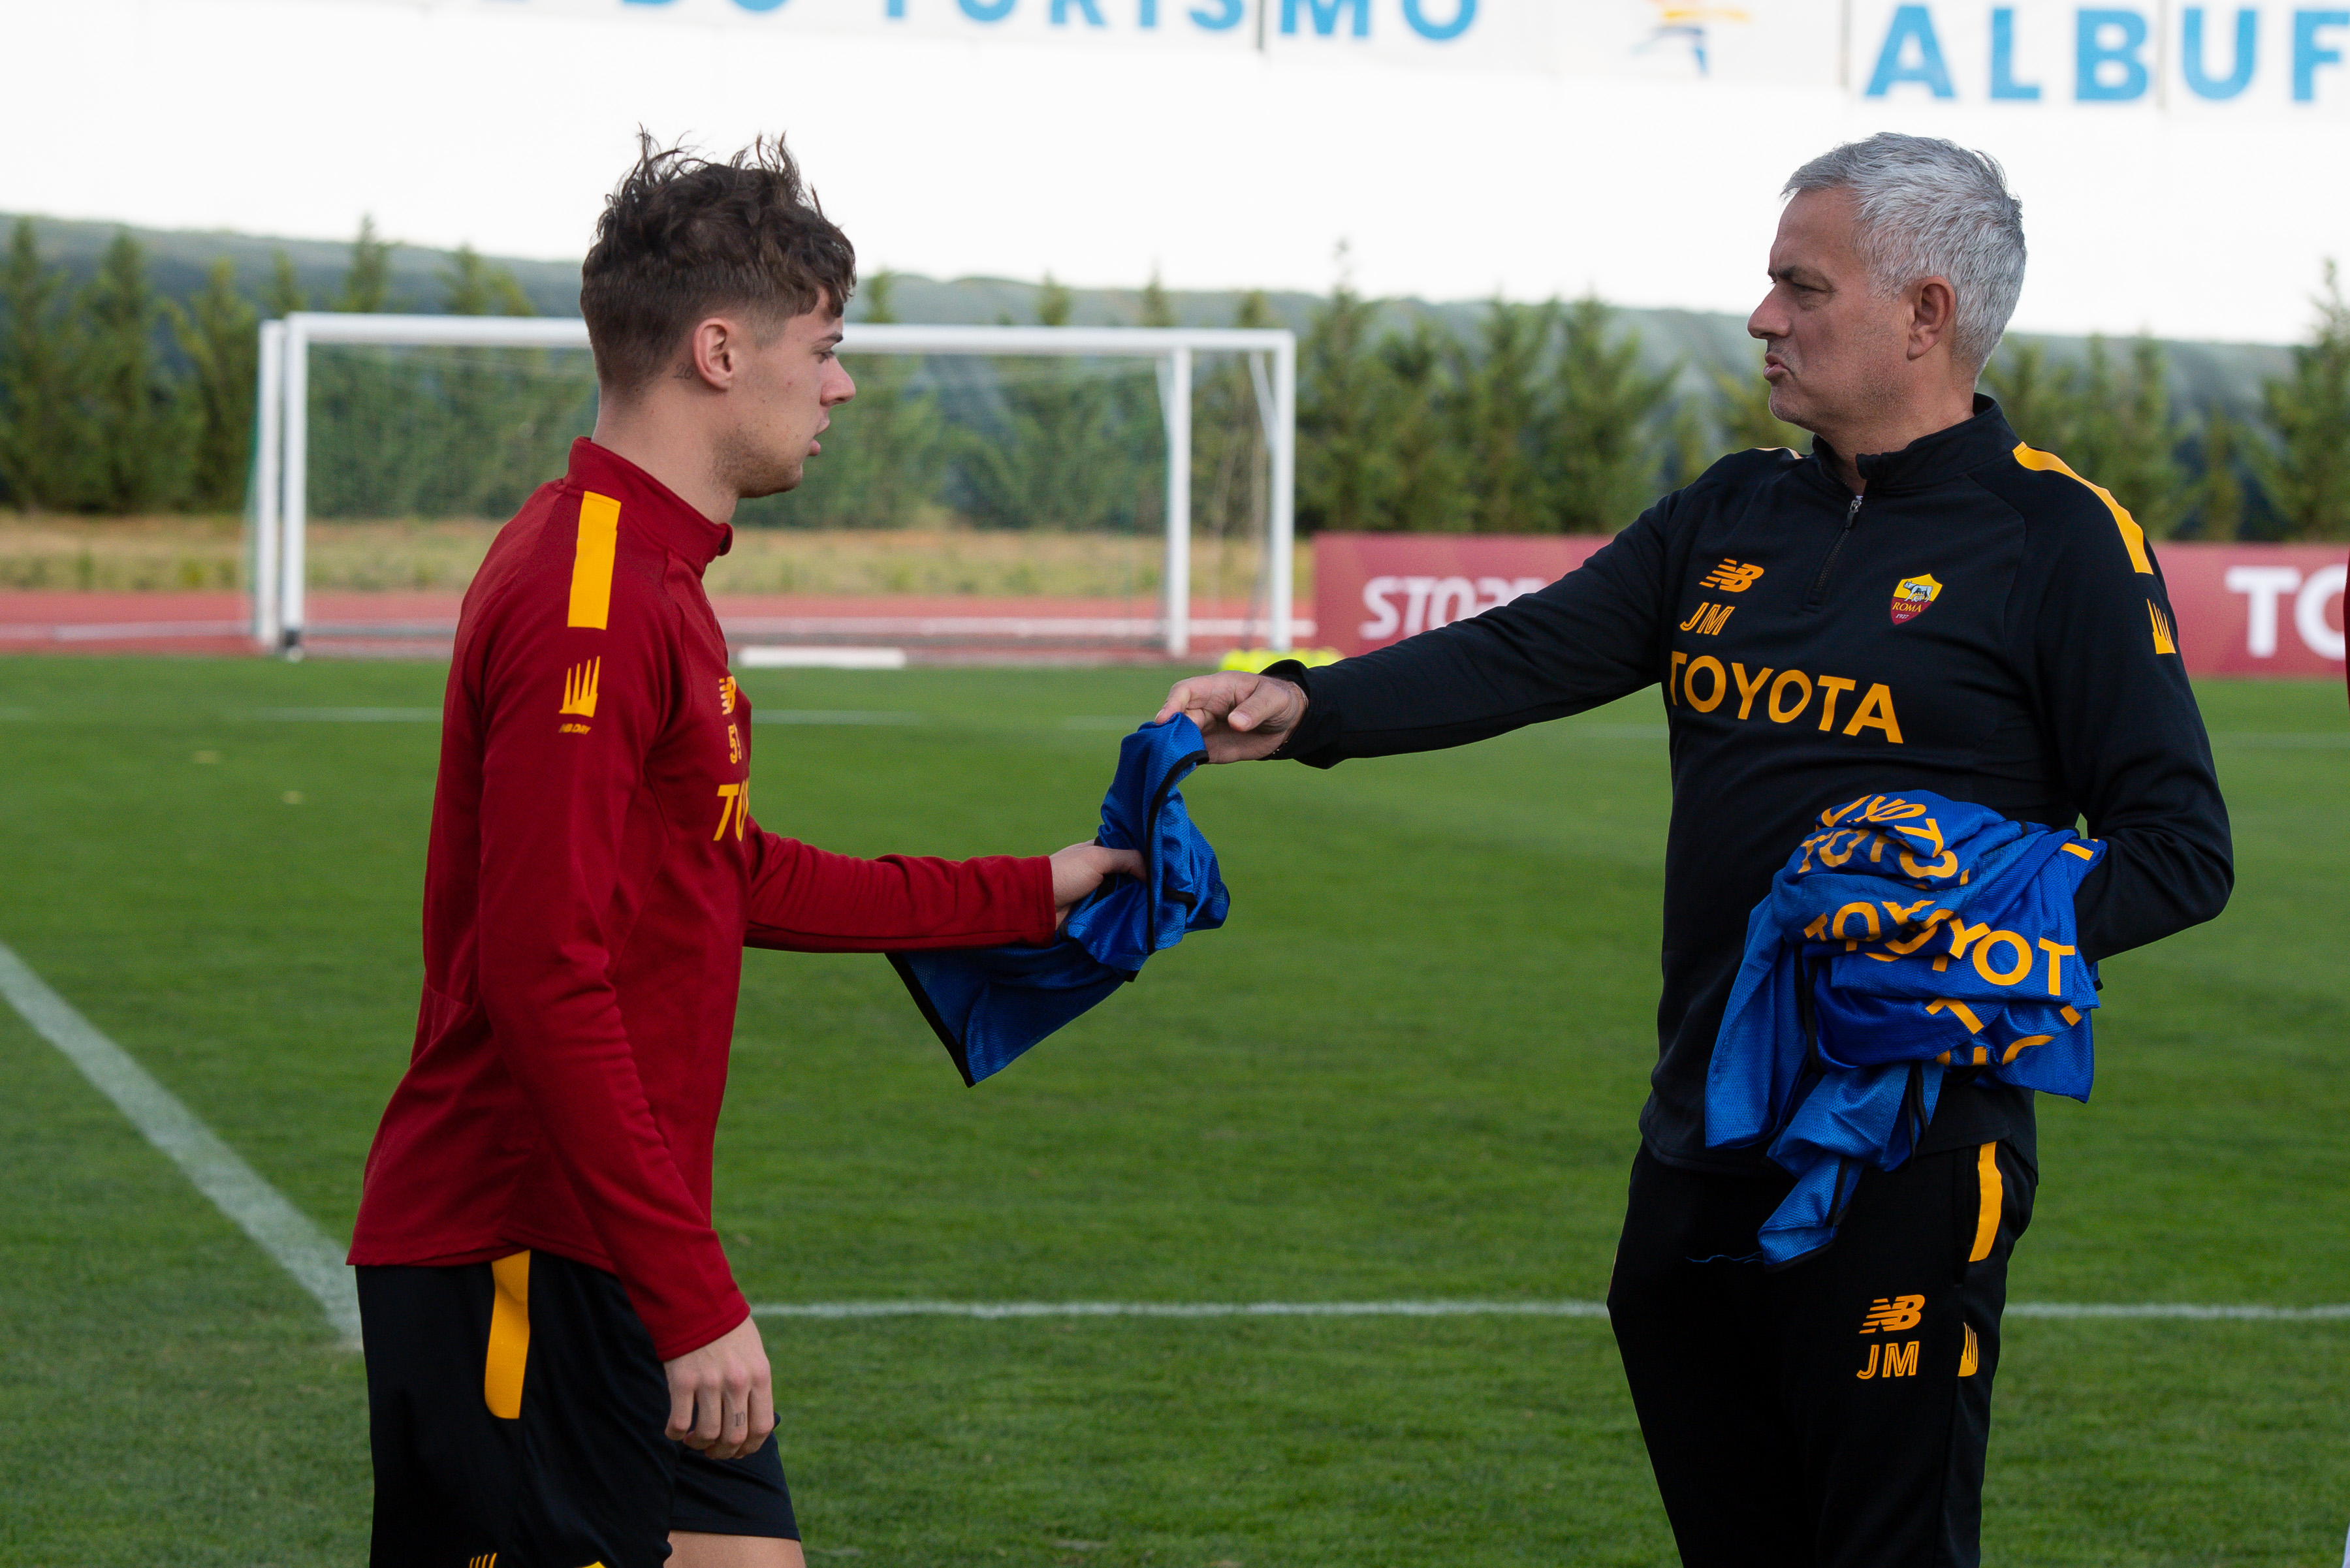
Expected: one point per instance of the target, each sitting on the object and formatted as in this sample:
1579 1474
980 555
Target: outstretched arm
805 900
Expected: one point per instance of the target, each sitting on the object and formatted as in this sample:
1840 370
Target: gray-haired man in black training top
1923 602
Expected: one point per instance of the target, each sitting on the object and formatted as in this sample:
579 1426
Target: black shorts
515 1410
1834 1413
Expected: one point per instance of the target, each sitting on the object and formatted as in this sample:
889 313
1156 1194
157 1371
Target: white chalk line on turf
238 1190
302 1250
1181 1309
345 715
1465 1309
2197 1311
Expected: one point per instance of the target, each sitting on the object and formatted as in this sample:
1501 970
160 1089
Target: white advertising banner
1623 39
2166 151
2203 60
1772 40
2193 59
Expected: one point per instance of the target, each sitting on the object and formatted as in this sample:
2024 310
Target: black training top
1982 622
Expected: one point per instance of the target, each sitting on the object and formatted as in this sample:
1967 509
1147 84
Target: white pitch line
302 1250
345 715
831 716
773 656
1176 1309
1458 1309
2208 1314
1181 1309
239 1191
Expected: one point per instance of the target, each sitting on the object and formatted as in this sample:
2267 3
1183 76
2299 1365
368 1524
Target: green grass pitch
1409 1067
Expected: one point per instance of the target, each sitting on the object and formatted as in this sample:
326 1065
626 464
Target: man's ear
713 353
1933 313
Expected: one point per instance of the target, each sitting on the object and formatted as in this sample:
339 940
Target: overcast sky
503 129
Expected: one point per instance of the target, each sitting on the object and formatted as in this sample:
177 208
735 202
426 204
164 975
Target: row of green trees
1046 442
2112 418
1545 417
1547 423
91 417
1018 442
100 414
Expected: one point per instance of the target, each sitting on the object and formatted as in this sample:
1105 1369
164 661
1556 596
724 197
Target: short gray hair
1929 208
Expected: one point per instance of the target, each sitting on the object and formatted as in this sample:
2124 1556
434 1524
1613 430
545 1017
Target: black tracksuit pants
1833 1414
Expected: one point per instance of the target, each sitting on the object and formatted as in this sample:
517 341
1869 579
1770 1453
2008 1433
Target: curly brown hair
682 236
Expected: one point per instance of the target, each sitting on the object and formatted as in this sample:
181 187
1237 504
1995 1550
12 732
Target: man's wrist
1290 672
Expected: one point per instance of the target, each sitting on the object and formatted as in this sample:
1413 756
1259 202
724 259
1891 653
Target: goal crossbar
281 513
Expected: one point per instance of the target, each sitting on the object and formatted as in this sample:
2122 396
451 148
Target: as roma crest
1910 599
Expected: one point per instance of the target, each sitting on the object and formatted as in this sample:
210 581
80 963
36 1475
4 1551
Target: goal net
1110 488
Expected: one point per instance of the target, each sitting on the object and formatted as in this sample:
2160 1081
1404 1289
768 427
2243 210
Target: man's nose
1765 323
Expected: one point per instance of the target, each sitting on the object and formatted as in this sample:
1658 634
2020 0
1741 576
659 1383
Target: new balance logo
1707 620
1887 1359
2164 639
1894 1315
1731 577
580 689
486 1559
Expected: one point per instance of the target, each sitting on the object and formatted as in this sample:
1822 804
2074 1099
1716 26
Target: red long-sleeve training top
593 876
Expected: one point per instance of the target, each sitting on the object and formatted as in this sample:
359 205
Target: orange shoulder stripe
591 561
2133 537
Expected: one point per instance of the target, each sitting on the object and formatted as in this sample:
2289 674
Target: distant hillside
2200 373
179 259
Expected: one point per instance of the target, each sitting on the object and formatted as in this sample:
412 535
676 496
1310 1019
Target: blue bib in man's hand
989 1005
1909 936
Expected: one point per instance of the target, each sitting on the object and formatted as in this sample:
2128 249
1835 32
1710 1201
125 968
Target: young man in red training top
560 1369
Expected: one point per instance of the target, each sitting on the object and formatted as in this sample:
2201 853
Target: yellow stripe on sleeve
1994 1192
509 1352
591 561
2133 537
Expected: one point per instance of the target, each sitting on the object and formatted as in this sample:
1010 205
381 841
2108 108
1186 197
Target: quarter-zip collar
647 503
1930 459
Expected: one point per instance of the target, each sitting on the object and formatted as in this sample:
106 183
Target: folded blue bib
1906 936
988 1006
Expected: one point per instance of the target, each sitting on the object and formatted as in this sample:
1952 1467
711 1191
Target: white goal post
282 469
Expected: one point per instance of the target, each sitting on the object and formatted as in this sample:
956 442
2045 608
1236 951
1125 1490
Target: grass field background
1409 1067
